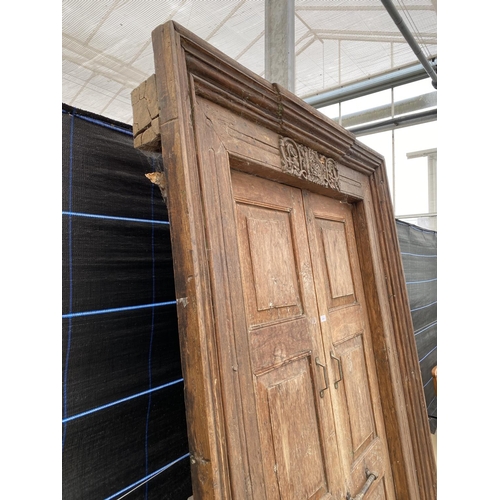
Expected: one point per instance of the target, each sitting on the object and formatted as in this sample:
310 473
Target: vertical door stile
322 307
236 383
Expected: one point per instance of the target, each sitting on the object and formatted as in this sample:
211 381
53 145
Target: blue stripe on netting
119 401
117 309
423 307
422 281
116 128
113 217
145 479
418 332
419 255
70 276
106 125
430 352
425 385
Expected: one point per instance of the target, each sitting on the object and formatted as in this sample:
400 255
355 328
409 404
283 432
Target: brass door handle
322 391
370 478
336 383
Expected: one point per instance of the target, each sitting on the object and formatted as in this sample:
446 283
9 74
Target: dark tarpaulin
419 254
124 428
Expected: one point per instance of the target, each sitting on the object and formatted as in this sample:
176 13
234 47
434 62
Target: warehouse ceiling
107 52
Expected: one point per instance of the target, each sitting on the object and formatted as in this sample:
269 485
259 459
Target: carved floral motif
306 163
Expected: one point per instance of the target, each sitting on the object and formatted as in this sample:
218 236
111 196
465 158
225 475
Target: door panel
308 338
269 264
336 262
378 492
297 462
275 344
297 436
373 461
355 394
346 337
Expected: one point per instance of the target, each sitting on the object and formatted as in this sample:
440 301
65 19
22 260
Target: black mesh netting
419 254
124 427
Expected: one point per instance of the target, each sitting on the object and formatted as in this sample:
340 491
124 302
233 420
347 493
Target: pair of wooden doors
282 280
313 392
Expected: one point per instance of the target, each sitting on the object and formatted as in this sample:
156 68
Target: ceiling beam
371 36
365 87
404 106
358 8
394 123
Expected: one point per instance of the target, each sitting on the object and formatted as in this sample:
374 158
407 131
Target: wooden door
285 345
296 438
348 346
309 345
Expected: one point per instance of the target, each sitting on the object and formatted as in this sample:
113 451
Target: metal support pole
431 155
280 42
409 38
432 180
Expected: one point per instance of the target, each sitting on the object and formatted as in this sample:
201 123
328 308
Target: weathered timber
146 123
299 360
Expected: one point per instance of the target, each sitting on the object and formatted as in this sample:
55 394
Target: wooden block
146 126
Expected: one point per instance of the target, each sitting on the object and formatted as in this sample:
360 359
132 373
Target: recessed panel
272 261
291 424
357 393
268 263
373 461
333 245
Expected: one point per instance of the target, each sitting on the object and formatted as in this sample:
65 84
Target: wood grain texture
281 281
146 121
362 436
192 284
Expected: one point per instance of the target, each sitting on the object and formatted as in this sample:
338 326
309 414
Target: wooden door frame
188 69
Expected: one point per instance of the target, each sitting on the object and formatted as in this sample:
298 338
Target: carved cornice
306 163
